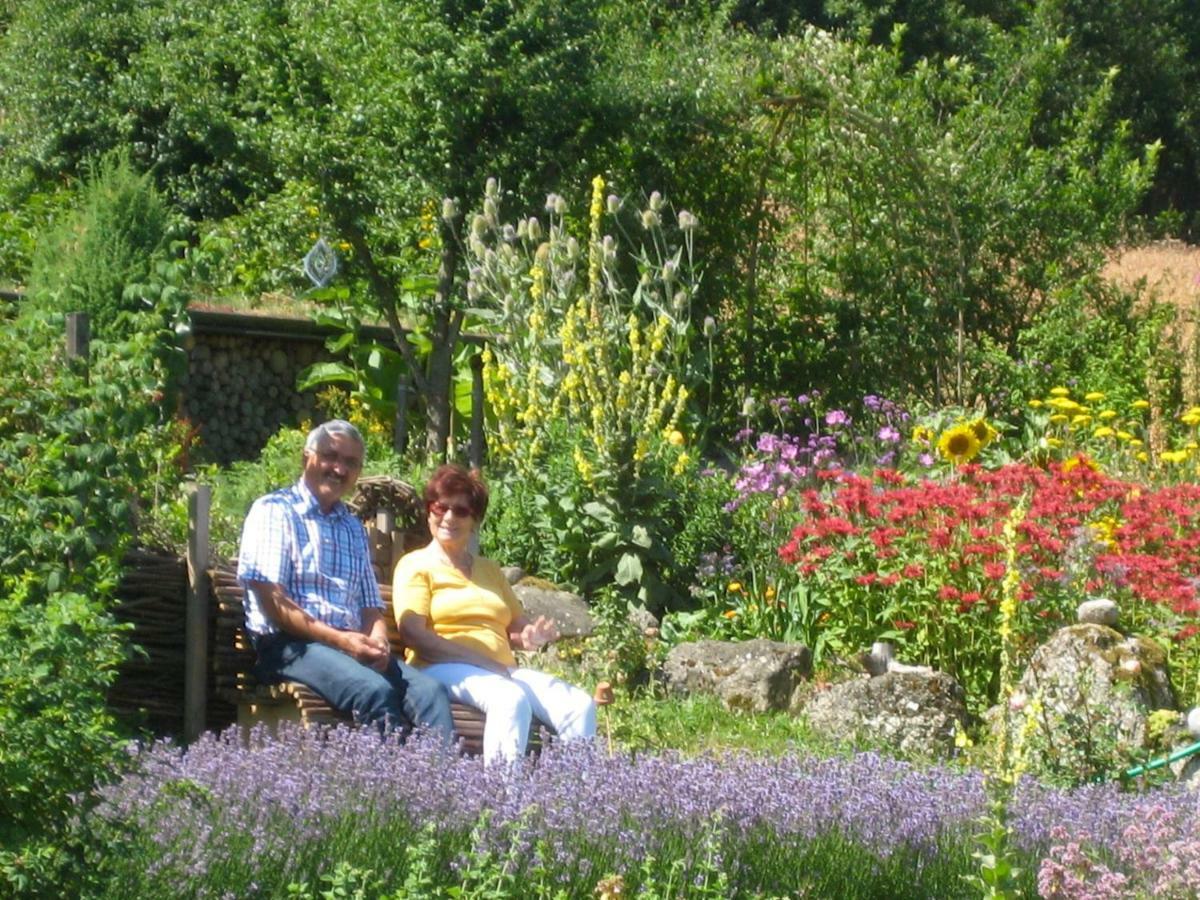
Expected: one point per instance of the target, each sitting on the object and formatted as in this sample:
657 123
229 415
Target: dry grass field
1168 271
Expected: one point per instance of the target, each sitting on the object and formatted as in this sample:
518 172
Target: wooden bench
270 704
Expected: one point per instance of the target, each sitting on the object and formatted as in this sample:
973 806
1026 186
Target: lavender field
343 809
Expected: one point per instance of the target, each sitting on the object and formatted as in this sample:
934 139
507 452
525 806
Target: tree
931 206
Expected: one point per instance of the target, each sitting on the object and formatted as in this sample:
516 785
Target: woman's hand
533 635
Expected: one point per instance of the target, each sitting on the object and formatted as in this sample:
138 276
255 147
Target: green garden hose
1163 761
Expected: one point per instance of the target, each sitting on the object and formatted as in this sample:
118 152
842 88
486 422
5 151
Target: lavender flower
224 803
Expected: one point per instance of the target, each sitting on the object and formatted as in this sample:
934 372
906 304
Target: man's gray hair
338 427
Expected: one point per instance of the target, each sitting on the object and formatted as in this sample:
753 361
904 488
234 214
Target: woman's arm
433 648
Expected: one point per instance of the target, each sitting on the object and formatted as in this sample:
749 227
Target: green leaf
325 373
599 512
607 541
629 569
641 537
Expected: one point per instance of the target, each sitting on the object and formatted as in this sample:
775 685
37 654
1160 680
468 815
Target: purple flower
836 417
888 434
225 804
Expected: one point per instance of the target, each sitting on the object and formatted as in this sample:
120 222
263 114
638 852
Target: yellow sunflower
922 434
984 432
959 444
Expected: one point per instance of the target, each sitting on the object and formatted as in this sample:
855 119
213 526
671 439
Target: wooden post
400 431
476 450
79 335
195 666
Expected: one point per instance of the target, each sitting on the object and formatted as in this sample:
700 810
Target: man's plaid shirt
321 561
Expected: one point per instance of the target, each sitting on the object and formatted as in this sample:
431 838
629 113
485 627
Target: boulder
1096 687
565 609
643 620
913 711
756 676
1189 773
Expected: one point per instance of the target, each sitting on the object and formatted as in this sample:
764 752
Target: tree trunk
446 324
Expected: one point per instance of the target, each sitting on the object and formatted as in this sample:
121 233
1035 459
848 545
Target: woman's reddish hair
452 479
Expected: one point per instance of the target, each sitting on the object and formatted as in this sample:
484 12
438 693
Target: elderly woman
461 621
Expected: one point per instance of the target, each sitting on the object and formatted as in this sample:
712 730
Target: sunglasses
460 510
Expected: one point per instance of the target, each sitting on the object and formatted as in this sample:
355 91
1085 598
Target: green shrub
99 258
78 452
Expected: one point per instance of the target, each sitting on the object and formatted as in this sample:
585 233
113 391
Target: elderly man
312 602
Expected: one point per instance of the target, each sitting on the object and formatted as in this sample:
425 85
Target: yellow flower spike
1136 442
1125 435
1080 420
1192 445
1054 442
1103 432
734 587
1059 392
1142 456
1174 457
675 439
1107 414
1140 404
1093 396
1060 418
1035 404
681 464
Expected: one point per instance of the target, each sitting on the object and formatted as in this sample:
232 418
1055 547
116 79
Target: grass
700 724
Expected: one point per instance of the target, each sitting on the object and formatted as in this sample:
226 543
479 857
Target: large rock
750 675
566 610
917 712
1096 687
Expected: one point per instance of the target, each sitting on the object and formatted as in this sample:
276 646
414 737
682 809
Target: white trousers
508 705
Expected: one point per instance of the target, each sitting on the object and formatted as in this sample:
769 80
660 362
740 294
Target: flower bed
248 821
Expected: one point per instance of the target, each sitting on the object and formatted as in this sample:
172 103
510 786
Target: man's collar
308 503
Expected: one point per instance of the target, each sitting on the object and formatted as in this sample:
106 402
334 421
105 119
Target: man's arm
290 618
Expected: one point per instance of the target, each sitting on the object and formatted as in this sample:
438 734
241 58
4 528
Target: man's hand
369 651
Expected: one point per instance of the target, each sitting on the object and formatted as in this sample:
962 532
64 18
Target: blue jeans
399 697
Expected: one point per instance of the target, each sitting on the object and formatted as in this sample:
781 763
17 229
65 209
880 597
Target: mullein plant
997 876
609 361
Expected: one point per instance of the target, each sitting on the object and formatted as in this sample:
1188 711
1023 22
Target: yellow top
474 612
